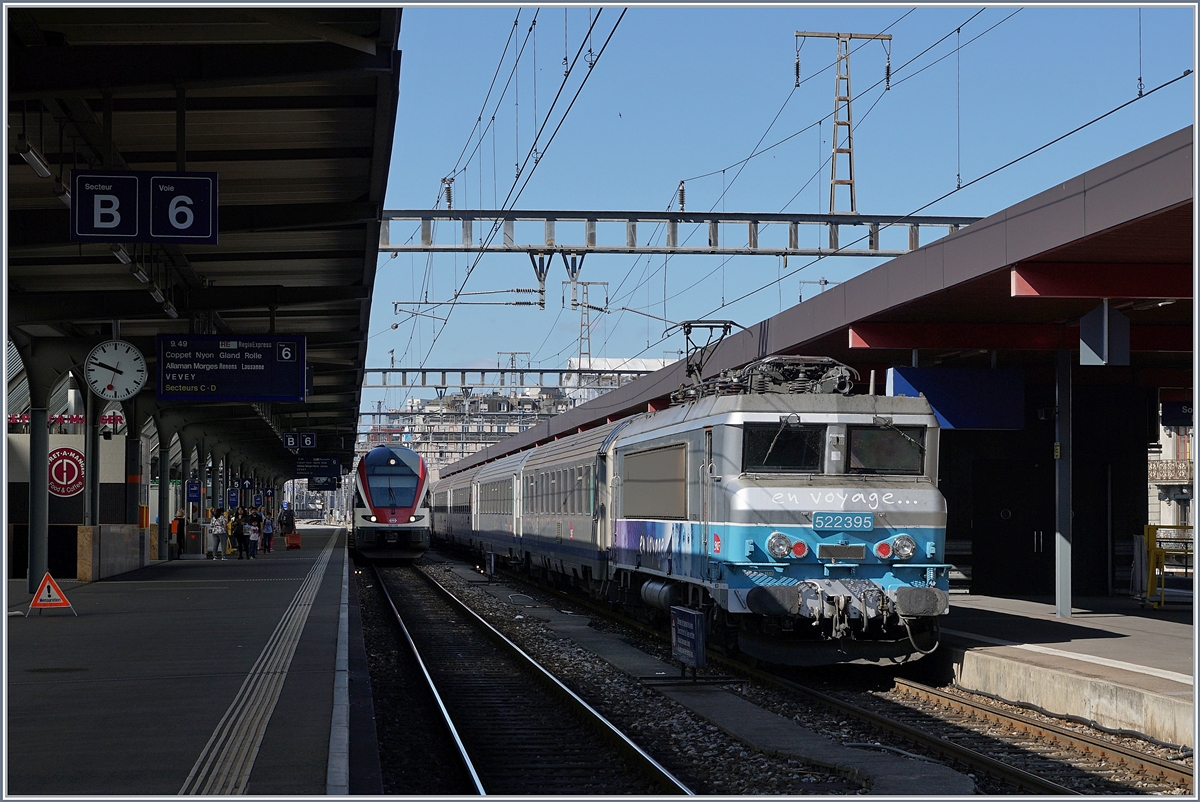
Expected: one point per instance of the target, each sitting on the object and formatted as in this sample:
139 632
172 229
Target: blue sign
1176 413
258 500
687 637
286 505
233 497
143 206
291 439
269 493
215 367
193 491
247 483
307 467
308 439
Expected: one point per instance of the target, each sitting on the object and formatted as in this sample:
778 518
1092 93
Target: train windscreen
392 486
782 447
899 449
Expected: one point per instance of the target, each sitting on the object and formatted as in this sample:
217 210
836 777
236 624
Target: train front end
834 531
391 504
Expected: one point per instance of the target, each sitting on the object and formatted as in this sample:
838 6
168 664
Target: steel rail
948 749
1086 743
462 750
651 766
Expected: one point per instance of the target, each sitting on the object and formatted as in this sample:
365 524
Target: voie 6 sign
143 206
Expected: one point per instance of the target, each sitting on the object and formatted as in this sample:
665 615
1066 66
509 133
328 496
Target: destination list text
192 370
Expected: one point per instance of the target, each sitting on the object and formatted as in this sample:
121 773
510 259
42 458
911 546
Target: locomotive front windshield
392 485
779 447
899 449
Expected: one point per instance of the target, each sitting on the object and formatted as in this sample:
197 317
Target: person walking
238 531
178 527
217 531
268 533
253 532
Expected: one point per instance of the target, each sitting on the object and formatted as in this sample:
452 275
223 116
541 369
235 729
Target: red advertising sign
66 472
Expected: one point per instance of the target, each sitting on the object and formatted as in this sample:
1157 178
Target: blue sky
683 92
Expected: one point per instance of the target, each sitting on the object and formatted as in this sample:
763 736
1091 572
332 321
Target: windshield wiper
888 424
784 421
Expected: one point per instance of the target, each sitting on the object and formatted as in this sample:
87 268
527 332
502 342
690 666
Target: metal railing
1168 554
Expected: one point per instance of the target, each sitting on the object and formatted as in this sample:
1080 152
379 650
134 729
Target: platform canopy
1007 291
294 109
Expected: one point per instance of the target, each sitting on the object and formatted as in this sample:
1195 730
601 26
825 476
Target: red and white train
391 504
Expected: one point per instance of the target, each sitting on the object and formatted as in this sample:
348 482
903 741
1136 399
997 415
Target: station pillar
1062 484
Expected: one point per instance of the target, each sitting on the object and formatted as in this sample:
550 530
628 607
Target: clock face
115 370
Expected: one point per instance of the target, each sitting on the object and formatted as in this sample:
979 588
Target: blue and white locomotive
805 521
391 504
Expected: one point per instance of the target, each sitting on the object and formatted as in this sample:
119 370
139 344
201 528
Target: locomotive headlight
373 519
778 545
412 519
904 546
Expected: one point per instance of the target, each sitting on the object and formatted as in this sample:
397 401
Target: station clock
115 370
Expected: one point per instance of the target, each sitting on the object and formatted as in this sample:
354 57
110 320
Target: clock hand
115 371
108 367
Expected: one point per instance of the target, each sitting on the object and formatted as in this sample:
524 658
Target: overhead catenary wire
942 197
515 192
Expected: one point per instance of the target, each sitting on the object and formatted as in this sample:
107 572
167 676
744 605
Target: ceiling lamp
169 308
139 274
62 193
119 252
156 293
32 157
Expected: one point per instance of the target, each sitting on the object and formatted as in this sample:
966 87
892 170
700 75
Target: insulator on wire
682 196
797 69
887 75
449 192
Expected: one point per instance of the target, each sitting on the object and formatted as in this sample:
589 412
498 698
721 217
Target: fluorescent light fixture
32 157
139 274
156 293
63 193
169 308
119 252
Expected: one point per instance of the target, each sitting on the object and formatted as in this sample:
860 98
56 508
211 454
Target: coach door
517 499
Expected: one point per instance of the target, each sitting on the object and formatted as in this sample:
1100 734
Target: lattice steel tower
843 119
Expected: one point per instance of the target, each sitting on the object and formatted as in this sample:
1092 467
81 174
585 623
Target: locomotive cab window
390 481
782 447
891 449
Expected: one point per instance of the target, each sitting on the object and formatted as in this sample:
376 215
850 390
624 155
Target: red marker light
800 548
883 550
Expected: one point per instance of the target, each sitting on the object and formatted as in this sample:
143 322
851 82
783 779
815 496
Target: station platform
189 676
1113 662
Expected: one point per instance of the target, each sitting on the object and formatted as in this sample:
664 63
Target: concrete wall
1065 692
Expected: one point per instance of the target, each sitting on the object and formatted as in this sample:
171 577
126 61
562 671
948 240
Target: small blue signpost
258 500
269 492
687 638
193 492
233 497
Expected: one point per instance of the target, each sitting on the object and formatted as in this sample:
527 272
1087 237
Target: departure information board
215 367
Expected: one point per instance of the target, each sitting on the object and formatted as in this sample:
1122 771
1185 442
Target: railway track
1013 752
518 730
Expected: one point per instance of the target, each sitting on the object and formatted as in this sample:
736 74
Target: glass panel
774 447
875 449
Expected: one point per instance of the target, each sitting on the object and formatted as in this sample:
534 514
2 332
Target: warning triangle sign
49 594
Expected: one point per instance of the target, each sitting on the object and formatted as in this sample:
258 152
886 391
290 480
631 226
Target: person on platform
218 530
253 532
178 527
268 532
238 530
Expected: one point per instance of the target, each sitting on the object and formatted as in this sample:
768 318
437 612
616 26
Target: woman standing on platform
238 531
217 530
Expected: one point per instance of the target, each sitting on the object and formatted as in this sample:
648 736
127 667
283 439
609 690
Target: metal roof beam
49 307
1006 336
46 71
1101 280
